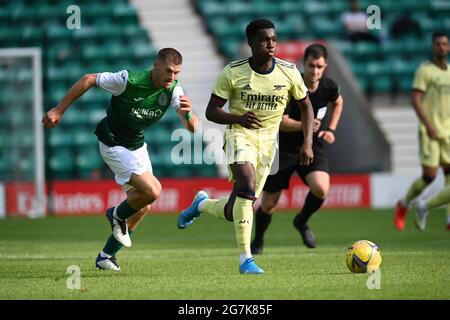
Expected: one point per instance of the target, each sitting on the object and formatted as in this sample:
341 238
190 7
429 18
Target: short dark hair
316 50
438 34
256 25
170 55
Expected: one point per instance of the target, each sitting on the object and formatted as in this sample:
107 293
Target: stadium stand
391 62
109 29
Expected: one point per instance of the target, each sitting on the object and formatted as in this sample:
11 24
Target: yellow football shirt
265 94
435 83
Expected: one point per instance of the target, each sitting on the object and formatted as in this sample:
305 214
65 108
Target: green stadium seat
84 138
381 84
211 9
314 8
61 164
365 51
88 161
265 8
377 68
405 84
230 48
96 115
125 15
158 135
327 28
58 138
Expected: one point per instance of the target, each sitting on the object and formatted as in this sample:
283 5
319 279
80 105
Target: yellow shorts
254 146
433 153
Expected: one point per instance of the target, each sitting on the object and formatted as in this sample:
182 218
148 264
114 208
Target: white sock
448 219
243 257
201 204
422 204
104 255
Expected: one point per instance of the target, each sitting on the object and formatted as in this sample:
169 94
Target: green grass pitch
201 262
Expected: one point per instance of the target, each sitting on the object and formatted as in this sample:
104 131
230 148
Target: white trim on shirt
114 83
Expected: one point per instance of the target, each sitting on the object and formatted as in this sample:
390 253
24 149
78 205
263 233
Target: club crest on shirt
278 87
163 99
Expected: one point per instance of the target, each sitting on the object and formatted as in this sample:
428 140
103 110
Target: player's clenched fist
52 118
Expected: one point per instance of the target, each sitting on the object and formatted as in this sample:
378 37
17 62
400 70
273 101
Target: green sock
415 189
124 211
113 246
440 199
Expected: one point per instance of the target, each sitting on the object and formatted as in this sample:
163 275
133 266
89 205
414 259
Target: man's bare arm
416 100
53 116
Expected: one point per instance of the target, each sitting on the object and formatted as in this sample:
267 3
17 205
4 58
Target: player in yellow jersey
431 100
258 90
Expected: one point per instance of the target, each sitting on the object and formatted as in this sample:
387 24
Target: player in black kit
323 92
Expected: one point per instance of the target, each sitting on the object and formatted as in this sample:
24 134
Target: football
363 256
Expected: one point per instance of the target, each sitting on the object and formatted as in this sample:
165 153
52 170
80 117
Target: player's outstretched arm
307 119
215 113
54 115
187 116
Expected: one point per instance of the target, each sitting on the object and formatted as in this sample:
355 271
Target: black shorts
288 163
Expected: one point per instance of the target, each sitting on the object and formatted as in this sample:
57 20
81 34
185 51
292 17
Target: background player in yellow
431 101
258 89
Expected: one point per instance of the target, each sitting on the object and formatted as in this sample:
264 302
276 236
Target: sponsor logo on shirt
261 101
163 99
141 113
247 87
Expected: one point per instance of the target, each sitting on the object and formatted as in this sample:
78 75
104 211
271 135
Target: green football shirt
135 105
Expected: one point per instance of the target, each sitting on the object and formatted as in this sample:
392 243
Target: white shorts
124 162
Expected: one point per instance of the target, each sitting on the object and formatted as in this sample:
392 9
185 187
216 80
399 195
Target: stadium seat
84 138
88 162
59 137
61 164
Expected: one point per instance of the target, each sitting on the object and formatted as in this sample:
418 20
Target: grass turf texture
201 262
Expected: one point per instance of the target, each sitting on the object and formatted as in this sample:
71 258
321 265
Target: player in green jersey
258 90
431 101
139 99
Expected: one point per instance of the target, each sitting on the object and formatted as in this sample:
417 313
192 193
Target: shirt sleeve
298 89
420 79
113 82
177 92
223 86
334 91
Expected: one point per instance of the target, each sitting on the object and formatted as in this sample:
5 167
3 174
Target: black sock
262 221
312 204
